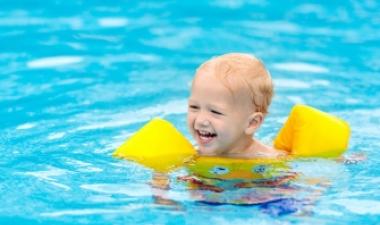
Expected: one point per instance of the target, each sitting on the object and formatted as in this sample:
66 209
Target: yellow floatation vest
231 168
307 132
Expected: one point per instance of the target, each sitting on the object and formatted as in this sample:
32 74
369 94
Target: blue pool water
79 77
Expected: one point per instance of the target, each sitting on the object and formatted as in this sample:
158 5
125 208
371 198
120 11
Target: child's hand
199 184
353 158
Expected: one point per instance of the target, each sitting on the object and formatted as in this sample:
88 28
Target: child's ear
254 122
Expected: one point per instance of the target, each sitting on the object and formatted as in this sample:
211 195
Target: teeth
206 134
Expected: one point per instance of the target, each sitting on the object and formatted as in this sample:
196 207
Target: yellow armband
310 132
158 145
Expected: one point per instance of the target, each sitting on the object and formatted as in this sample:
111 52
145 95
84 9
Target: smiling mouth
205 137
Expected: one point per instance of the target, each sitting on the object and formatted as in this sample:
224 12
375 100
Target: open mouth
205 137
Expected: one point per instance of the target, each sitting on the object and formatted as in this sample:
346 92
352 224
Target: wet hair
243 72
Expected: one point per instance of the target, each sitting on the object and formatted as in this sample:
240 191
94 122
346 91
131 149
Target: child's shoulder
265 151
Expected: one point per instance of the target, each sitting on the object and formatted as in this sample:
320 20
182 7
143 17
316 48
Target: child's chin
206 151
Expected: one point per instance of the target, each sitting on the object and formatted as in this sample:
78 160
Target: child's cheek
190 122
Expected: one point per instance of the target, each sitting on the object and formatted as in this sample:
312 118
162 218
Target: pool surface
79 77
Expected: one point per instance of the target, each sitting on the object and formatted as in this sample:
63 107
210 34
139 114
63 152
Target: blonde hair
245 72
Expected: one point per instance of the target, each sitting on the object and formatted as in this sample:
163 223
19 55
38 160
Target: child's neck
254 149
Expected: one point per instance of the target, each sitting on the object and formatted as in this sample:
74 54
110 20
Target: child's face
217 118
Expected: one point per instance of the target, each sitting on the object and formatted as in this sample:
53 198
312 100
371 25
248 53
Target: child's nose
202 120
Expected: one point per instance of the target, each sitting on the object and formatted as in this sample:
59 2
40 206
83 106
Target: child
229 100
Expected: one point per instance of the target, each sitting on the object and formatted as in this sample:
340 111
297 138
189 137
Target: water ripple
130 189
175 39
26 126
52 62
81 212
113 22
360 206
291 83
144 114
300 67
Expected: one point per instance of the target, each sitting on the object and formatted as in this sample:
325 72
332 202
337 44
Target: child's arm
160 181
160 185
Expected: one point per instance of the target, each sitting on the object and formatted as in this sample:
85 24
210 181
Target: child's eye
216 112
193 107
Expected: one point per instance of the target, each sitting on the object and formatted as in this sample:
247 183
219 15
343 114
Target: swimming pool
78 78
